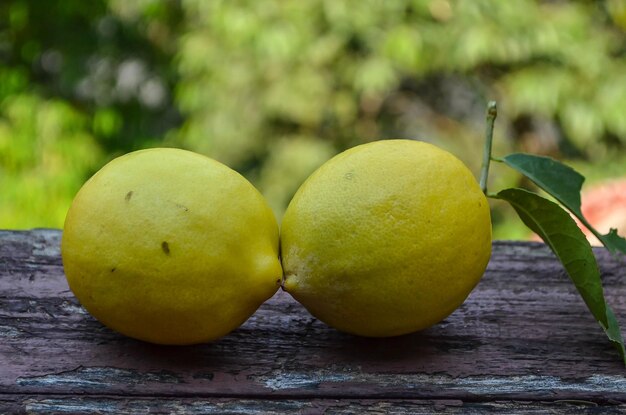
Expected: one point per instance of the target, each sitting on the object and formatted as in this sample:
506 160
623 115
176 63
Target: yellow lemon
386 238
171 247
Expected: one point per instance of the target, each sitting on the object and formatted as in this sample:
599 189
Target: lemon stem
492 113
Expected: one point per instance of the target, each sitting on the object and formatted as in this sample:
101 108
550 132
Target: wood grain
524 337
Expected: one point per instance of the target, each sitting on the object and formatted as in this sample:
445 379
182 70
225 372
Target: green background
274 88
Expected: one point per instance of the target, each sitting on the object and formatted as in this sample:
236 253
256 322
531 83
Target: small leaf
564 184
613 241
569 244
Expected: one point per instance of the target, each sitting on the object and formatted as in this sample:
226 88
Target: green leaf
569 244
613 241
559 180
564 184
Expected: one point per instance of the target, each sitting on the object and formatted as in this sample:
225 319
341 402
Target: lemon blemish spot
128 196
183 207
165 247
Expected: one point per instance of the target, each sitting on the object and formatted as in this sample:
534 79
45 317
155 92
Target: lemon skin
386 238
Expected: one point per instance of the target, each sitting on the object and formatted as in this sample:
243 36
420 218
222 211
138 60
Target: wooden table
522 343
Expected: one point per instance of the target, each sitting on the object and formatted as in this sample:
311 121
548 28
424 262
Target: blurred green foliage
274 88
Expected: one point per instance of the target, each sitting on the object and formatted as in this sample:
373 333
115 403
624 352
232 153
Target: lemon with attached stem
171 247
386 238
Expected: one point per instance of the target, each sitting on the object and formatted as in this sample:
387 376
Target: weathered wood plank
523 334
223 406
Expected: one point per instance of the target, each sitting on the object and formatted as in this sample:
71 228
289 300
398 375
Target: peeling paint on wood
225 406
9 331
477 385
523 342
96 377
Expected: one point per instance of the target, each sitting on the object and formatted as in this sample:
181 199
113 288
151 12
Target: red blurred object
604 207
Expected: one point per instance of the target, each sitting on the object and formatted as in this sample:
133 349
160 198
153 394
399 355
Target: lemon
386 238
170 247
